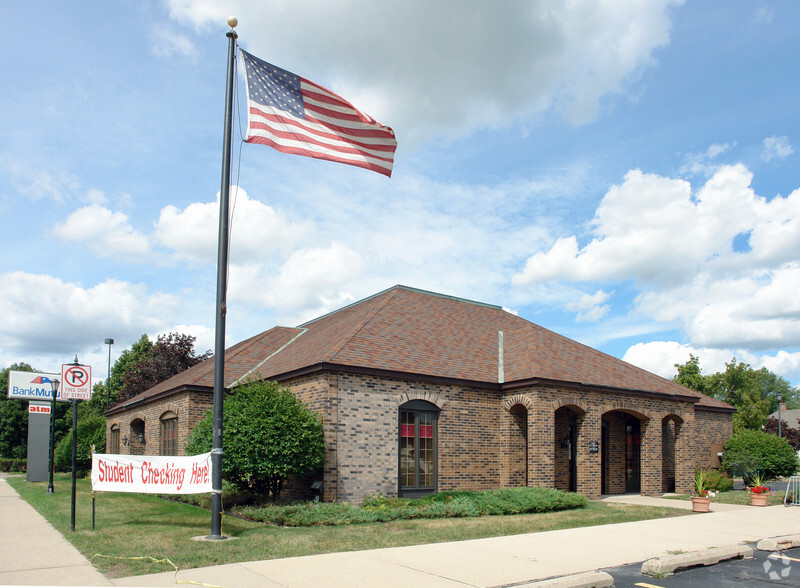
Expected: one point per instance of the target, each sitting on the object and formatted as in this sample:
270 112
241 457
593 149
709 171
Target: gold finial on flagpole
233 21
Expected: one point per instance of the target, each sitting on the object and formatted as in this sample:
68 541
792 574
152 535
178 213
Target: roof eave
585 386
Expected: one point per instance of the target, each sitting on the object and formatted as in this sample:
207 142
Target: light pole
108 342
54 385
780 399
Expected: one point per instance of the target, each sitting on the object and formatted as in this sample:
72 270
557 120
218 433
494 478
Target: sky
625 173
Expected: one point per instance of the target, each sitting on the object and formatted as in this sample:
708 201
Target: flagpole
222 284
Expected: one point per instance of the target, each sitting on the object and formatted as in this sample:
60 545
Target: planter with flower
759 493
701 497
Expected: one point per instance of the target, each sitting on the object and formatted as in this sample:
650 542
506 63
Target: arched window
169 433
418 450
138 438
114 441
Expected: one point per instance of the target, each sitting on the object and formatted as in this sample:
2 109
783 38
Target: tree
751 452
689 375
148 364
91 431
138 353
754 393
268 436
792 436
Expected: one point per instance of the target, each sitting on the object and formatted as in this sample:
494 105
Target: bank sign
32 386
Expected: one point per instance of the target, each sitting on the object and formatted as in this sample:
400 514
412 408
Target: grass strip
146 526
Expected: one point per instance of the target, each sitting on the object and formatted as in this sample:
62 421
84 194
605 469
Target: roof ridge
345 307
409 289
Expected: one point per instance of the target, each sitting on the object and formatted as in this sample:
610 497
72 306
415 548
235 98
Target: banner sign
32 386
153 474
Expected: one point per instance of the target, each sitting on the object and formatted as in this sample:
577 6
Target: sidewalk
33 553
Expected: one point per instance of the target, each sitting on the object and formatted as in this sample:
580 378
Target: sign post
54 387
76 384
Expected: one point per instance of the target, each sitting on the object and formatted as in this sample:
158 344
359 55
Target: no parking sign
76 381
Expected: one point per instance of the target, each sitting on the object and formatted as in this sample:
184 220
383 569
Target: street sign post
76 384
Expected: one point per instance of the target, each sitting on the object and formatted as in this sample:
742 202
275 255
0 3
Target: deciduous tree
150 364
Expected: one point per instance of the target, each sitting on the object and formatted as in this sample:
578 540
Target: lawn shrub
269 436
718 480
750 452
231 497
8 464
451 504
381 502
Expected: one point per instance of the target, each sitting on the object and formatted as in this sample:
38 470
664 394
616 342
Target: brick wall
713 430
487 439
190 407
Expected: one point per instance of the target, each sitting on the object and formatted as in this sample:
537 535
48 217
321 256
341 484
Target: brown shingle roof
408 331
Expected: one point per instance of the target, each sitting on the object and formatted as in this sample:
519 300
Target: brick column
651 457
541 441
588 466
684 457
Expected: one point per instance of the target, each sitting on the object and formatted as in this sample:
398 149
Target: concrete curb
584 580
666 565
779 543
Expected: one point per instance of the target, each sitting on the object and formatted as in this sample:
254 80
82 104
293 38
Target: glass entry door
418 438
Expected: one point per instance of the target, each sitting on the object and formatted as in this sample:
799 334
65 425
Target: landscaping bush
718 481
750 452
231 497
8 464
452 504
268 434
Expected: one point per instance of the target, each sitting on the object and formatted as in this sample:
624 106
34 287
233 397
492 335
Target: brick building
420 392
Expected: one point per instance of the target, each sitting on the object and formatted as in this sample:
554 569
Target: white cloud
591 307
660 357
784 363
39 185
205 337
257 232
701 163
96 197
104 232
307 278
776 147
44 312
165 42
678 250
490 64
764 15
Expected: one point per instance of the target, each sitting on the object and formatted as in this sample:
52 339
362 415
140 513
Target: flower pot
758 499
701 504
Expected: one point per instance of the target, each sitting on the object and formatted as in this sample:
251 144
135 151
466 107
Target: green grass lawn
140 525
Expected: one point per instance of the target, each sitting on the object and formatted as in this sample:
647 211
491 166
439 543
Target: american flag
294 115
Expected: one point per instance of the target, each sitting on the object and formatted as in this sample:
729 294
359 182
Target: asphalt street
764 569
